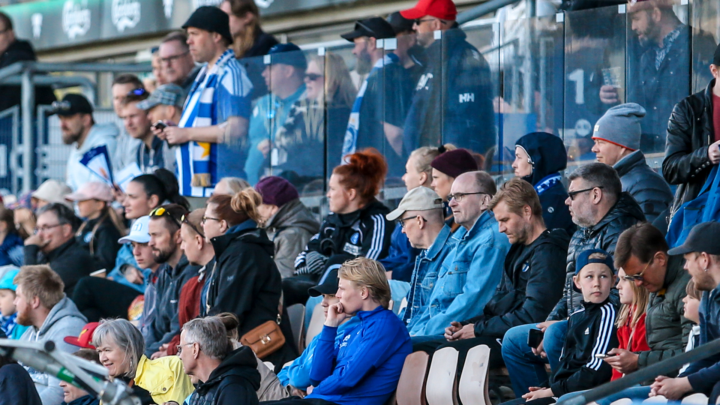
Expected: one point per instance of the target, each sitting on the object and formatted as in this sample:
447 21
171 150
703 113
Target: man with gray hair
617 143
471 272
225 376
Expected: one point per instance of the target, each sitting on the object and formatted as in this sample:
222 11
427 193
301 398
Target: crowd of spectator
190 305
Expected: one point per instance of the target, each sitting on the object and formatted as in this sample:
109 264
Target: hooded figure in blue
539 158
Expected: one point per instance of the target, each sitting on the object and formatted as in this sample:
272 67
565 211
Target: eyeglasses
46 228
162 212
401 221
61 105
639 276
459 196
313 76
137 92
185 221
205 219
572 194
179 347
169 59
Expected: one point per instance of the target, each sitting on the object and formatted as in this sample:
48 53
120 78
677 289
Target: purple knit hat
276 191
455 162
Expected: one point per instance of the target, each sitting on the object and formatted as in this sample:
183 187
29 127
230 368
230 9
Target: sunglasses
185 221
162 212
313 76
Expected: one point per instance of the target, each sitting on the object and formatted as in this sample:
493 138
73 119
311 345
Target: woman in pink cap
102 227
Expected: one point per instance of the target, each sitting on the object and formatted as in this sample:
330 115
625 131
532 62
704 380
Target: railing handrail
648 373
20 67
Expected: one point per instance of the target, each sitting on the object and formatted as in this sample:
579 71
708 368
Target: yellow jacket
164 379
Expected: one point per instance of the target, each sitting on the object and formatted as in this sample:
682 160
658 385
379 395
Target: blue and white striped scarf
350 142
199 111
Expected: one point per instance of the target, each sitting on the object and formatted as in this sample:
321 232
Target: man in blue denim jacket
472 271
421 218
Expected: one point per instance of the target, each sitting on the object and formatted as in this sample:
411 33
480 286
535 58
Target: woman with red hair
356 226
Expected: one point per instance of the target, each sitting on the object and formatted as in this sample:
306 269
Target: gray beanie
621 125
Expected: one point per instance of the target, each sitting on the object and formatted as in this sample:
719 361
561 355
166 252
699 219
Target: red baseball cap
442 9
85 337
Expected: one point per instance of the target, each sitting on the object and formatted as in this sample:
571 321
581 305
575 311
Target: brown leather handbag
267 338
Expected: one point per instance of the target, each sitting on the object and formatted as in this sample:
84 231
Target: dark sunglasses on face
313 76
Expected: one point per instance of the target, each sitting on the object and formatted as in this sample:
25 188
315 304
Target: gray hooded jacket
63 320
290 229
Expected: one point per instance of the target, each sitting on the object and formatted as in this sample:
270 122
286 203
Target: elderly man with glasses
472 270
601 211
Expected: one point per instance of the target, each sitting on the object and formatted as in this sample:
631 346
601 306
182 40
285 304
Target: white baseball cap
138 232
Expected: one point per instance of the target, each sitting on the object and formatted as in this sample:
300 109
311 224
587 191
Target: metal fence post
28 105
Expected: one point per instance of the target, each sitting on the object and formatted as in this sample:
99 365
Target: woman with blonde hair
245 280
631 320
326 108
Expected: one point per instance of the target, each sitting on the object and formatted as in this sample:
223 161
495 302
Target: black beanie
210 18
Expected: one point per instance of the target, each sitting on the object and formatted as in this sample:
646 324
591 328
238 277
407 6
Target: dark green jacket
666 329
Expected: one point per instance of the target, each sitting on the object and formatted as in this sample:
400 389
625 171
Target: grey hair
125 336
236 184
600 175
65 215
210 334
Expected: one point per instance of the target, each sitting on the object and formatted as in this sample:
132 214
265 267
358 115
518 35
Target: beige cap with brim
418 199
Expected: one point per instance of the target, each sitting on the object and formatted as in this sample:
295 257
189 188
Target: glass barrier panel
298 141
531 66
340 61
659 65
462 88
705 25
594 75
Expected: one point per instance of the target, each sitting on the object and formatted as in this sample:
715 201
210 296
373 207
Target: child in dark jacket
591 332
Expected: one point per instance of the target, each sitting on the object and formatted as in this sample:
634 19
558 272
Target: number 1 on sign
578 76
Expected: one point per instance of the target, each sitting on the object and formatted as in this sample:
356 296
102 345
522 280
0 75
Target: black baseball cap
288 54
375 27
399 23
328 286
70 105
702 238
210 18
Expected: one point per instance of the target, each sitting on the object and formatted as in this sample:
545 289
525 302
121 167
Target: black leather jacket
689 133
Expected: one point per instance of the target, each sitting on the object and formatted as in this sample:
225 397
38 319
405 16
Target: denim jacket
427 266
468 277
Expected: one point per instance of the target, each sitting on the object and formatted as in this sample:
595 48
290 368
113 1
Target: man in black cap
79 129
408 50
379 111
297 373
284 77
217 109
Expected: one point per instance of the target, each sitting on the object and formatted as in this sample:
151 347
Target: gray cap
702 238
167 94
621 125
418 199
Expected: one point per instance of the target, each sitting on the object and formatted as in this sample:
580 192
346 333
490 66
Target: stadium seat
473 386
296 313
411 387
656 400
316 323
695 399
623 401
443 389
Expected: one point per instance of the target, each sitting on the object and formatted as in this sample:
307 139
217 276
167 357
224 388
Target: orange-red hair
364 171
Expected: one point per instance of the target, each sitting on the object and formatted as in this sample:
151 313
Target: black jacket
234 381
603 235
591 330
69 260
16 386
453 98
689 133
165 324
246 282
365 232
100 238
648 188
86 400
10 95
532 282
548 156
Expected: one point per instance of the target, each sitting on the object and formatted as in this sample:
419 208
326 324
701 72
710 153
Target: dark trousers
541 401
295 289
463 347
299 401
99 298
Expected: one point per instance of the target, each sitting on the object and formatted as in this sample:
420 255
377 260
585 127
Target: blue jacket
365 368
468 277
125 257
427 266
297 374
401 257
11 250
704 374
